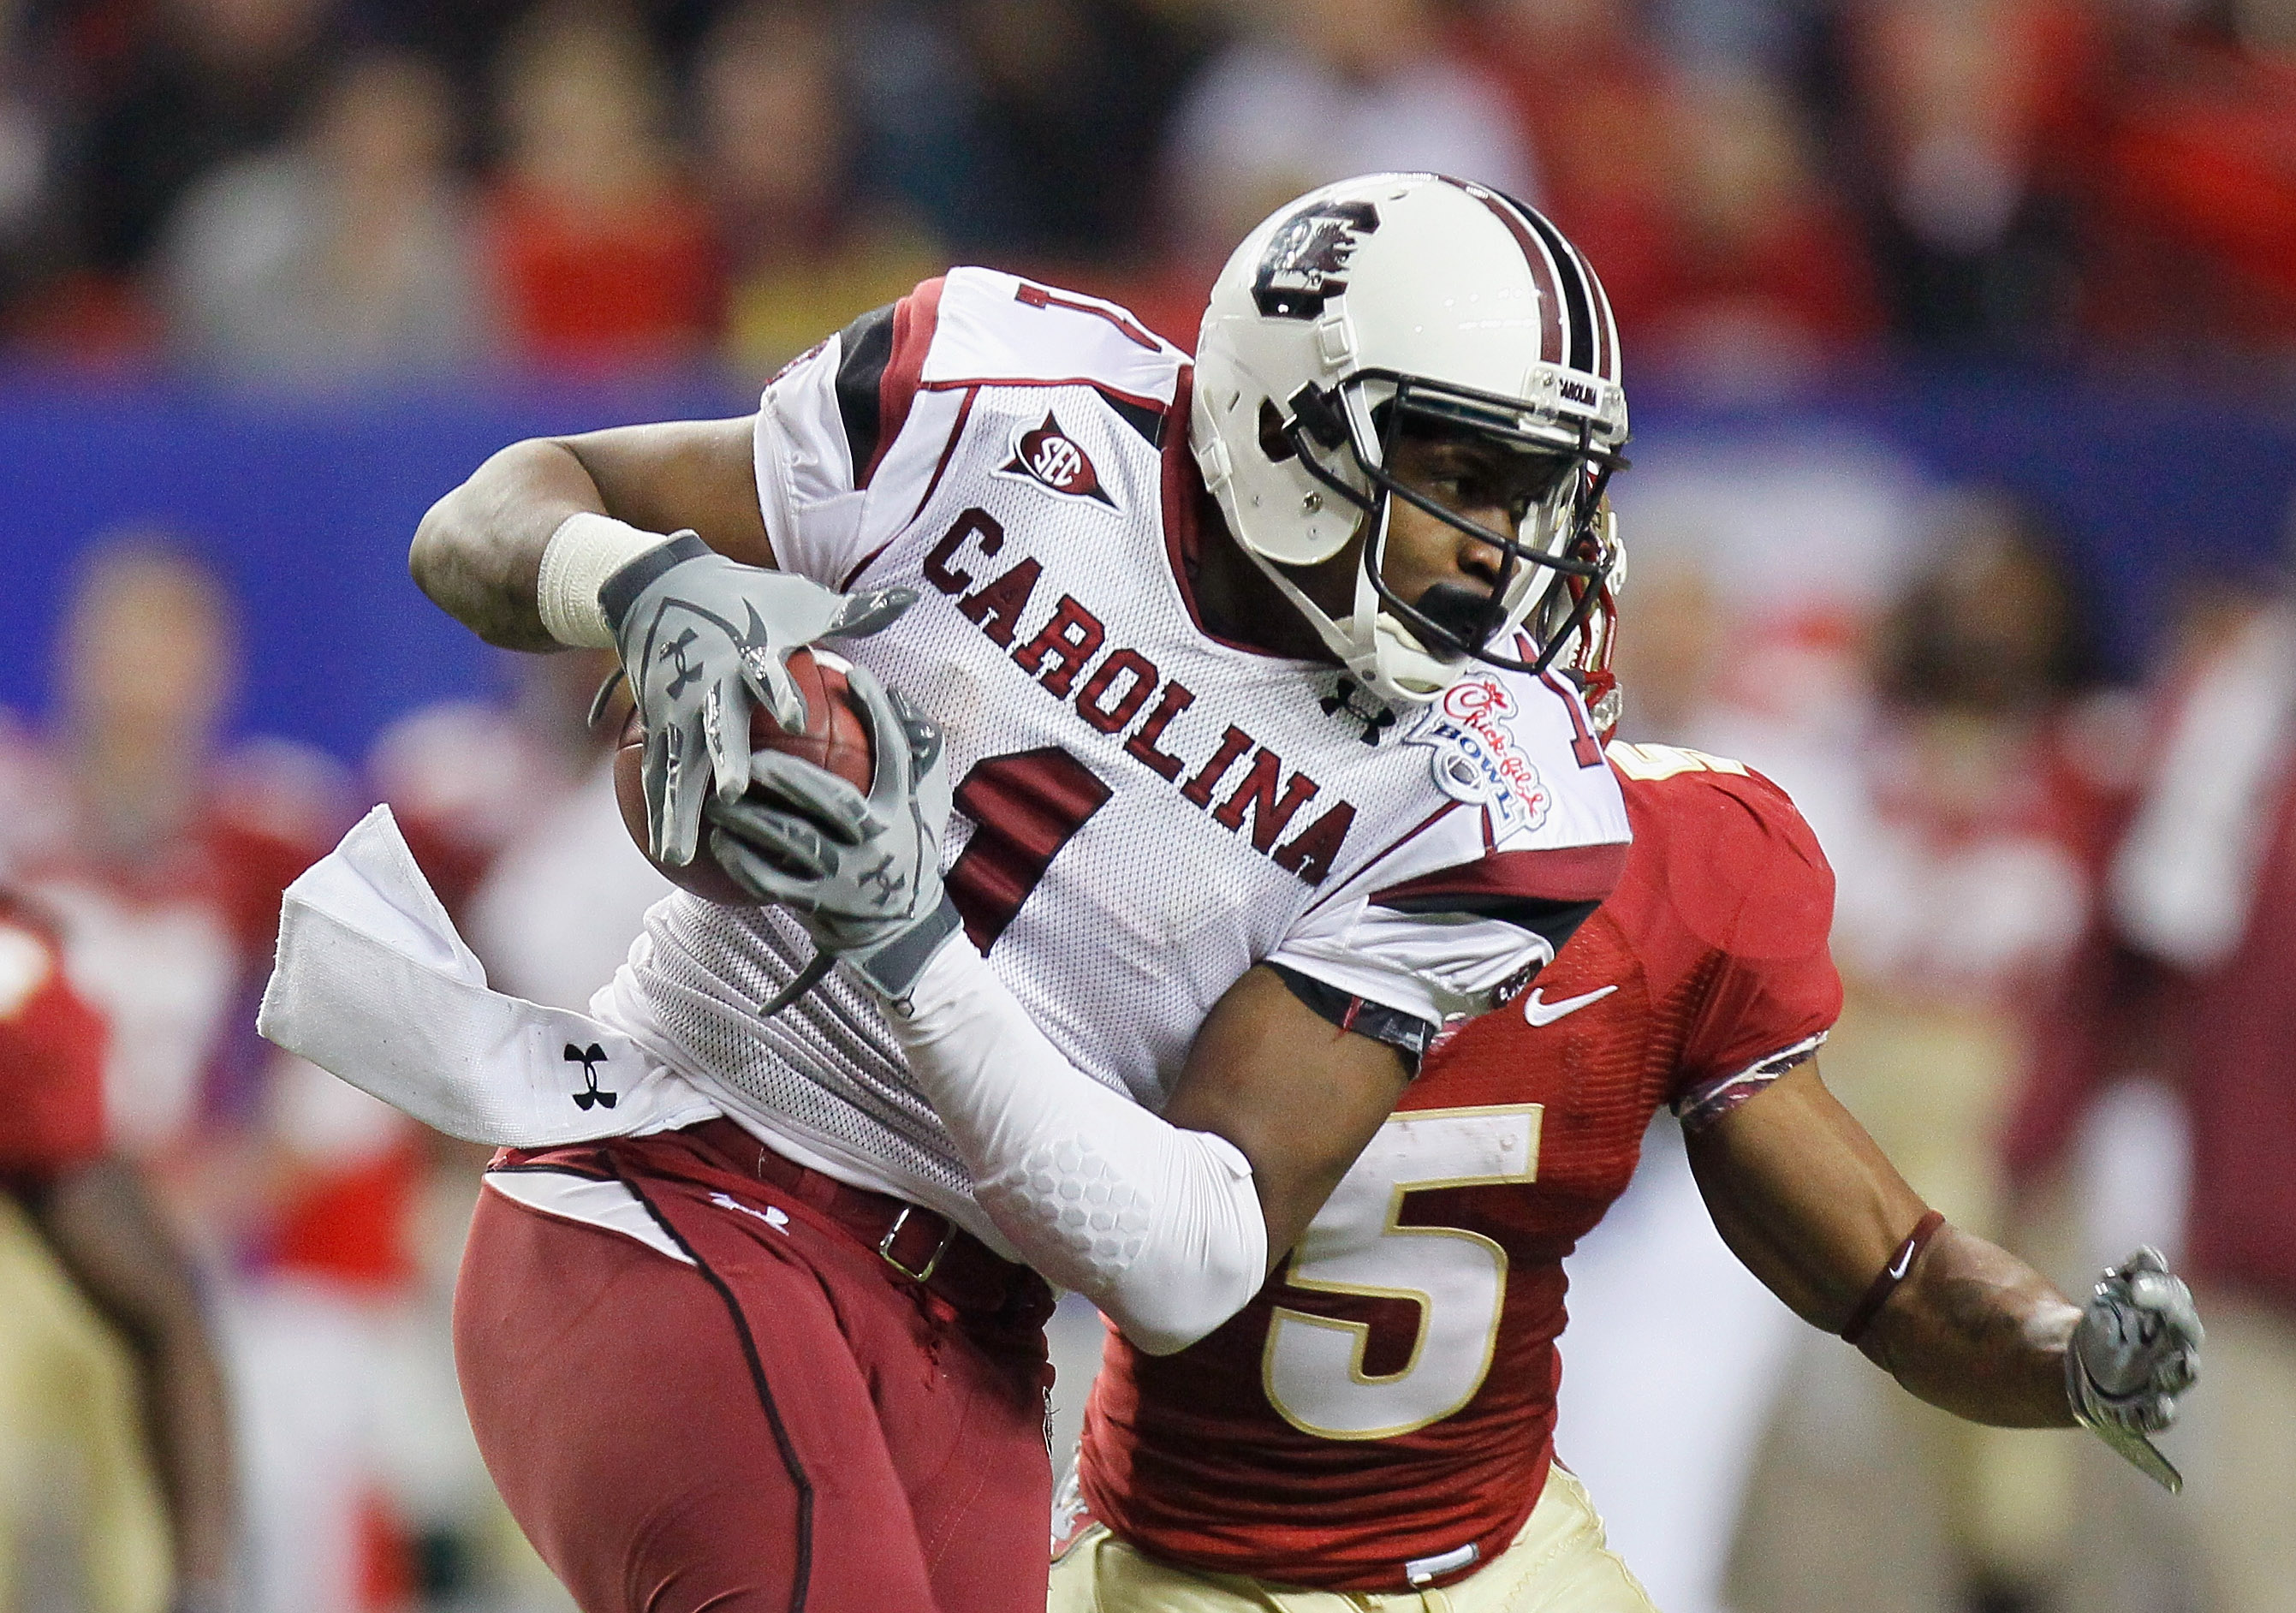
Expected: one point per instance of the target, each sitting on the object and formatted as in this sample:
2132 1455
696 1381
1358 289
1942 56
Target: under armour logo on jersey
590 1057
1048 456
1361 705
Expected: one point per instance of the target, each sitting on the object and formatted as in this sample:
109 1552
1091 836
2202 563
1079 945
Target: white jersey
1144 811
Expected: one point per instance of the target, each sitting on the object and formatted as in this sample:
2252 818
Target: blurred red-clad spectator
162 853
802 256
87 1208
2191 977
1759 268
2195 234
601 248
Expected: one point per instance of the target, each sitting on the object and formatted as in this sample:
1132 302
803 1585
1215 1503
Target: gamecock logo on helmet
1049 456
1307 259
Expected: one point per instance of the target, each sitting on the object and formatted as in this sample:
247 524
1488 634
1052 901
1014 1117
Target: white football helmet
1400 298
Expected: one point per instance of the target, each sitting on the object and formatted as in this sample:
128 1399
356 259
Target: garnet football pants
750 1412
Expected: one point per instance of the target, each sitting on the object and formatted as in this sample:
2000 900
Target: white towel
373 984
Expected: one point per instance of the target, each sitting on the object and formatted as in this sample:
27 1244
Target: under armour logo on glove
1365 708
885 879
589 1058
675 650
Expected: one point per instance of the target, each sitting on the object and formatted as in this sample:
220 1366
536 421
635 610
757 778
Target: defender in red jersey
90 1210
1381 1418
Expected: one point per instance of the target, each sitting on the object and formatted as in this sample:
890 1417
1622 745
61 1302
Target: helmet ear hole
1272 443
1318 414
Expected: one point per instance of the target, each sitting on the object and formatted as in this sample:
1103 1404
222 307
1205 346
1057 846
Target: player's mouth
1464 616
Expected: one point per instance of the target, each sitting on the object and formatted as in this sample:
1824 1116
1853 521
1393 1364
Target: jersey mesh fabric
1145 812
1190 1456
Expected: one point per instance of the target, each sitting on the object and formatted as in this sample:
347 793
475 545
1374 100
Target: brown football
836 736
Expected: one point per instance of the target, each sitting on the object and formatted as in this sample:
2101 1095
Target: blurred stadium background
1960 336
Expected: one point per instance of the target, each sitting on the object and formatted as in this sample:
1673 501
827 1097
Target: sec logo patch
1050 457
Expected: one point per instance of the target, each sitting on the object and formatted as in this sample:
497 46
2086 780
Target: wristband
1886 1280
587 549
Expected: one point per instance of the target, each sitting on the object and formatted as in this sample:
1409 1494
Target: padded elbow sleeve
1160 1227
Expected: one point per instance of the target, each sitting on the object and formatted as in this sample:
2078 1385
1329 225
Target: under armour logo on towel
589 1058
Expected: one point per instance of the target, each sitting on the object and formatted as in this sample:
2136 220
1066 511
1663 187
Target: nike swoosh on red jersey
1540 1013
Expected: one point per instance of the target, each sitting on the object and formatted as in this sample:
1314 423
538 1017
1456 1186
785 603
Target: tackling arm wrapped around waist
1160 1227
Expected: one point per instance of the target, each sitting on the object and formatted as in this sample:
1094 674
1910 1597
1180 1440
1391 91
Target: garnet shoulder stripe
915 319
1562 873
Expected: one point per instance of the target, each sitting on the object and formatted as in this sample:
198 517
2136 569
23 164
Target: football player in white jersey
1239 674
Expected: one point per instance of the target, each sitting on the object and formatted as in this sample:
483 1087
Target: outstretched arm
1809 1203
107 1234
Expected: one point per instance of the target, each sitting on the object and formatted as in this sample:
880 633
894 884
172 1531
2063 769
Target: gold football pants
1557 1564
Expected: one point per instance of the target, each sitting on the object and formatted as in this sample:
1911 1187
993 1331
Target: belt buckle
919 1274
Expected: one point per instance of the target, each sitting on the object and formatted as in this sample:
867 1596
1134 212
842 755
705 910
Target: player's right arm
1812 1208
651 541
478 553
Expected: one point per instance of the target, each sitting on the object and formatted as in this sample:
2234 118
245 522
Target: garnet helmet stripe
1542 268
1606 332
1577 304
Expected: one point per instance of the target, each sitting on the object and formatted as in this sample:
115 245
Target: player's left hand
2138 1345
861 872
700 637
2135 1348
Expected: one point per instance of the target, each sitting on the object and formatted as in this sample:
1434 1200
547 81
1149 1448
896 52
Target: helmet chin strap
1378 651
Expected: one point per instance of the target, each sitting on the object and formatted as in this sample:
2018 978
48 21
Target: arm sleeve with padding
1160 1227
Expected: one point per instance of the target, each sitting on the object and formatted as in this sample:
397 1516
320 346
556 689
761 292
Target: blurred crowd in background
327 188
2067 903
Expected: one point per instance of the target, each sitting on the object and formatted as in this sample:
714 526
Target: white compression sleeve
1158 1226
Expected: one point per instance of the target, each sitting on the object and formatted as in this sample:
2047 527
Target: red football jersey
1382 1414
51 1047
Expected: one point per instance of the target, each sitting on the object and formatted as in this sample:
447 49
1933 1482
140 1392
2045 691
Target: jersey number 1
1024 806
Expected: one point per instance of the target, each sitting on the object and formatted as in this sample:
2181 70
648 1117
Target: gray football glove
699 634
2136 1347
861 872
